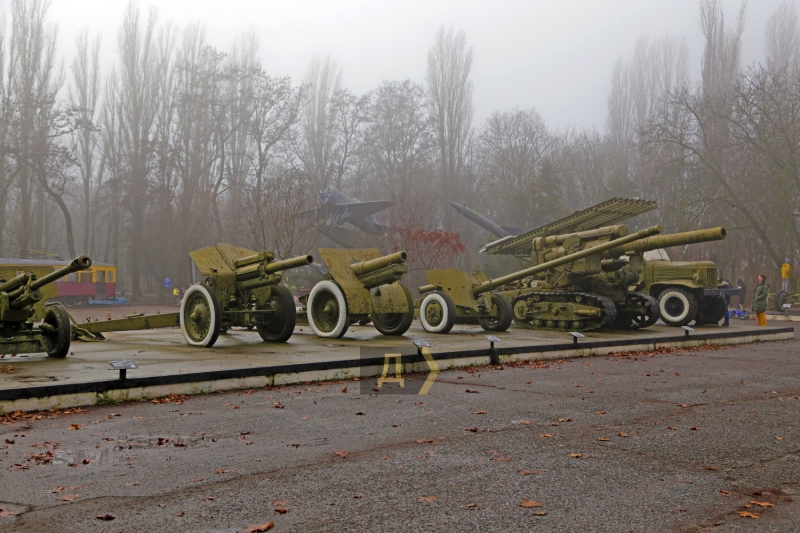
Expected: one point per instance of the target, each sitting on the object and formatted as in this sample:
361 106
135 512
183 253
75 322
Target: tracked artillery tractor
361 285
22 303
574 285
241 288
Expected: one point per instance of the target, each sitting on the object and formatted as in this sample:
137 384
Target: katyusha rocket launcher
22 301
241 288
362 285
457 296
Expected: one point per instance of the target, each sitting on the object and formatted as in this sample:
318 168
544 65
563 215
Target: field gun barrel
27 294
600 248
669 240
365 267
255 266
286 264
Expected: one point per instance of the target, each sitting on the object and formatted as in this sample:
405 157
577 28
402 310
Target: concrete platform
166 365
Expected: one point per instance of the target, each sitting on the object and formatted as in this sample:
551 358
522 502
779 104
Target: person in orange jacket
786 274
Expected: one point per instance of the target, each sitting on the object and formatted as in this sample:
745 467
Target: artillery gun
241 289
361 284
22 303
574 285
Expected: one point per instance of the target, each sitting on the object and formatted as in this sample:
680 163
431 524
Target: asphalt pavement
704 440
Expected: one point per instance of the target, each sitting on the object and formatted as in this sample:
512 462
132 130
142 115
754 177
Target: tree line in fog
180 145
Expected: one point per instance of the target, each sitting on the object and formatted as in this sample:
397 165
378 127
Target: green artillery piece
574 284
241 289
22 302
361 285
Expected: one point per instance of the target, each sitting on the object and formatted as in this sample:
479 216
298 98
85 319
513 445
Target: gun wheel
58 344
395 323
281 326
505 314
201 316
437 313
327 310
677 307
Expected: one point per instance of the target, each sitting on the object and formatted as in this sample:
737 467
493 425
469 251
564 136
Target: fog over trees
181 145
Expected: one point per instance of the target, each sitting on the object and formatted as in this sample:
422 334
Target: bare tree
450 89
782 38
323 80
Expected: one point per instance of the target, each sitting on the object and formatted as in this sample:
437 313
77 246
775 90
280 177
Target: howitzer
361 285
241 288
455 295
22 302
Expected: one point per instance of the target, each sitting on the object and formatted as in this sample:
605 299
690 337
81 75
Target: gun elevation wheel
505 314
678 307
201 316
395 323
57 342
281 325
780 298
327 310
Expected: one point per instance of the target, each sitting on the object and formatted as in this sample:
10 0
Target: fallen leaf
748 514
472 391
778 438
261 528
281 510
132 484
344 390
427 498
725 493
197 480
4 513
602 439
10 441
209 498
672 428
600 412
501 459
539 513
343 455
107 516
576 455
693 428
361 413
761 504
58 489
528 472
479 412
221 471
621 434
75 427
138 417
182 513
472 506
530 503
525 423
70 497
546 435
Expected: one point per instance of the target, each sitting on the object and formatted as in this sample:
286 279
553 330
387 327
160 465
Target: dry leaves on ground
530 503
481 412
70 497
621 434
528 472
75 427
748 514
602 439
546 435
221 471
4 513
343 455
761 504
260 528
107 516
427 498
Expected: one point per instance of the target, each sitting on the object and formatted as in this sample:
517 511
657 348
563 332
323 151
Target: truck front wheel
677 307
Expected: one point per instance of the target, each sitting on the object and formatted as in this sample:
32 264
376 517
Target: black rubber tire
714 309
505 314
677 307
448 311
57 316
779 301
206 294
282 325
395 323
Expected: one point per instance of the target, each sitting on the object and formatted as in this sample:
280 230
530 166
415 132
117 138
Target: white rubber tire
215 318
689 307
342 322
447 309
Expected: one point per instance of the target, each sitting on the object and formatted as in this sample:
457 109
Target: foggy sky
555 56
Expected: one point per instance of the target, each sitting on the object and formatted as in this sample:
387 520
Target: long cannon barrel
365 267
79 263
600 248
669 240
